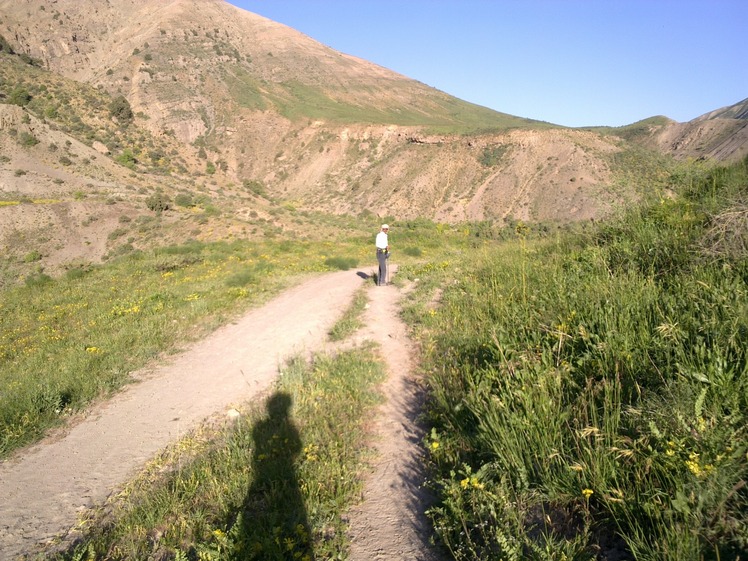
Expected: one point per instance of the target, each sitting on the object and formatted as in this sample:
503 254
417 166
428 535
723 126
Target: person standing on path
383 252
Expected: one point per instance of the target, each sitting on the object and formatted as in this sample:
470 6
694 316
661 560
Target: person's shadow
274 518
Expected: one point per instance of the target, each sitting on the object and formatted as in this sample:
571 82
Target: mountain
110 109
720 135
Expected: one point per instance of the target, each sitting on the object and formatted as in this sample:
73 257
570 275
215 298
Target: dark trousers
382 259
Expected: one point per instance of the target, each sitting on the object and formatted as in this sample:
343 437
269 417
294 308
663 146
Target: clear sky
570 62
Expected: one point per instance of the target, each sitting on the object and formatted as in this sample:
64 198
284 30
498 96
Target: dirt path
389 524
43 489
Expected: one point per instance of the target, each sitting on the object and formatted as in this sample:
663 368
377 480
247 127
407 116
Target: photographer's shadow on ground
274 518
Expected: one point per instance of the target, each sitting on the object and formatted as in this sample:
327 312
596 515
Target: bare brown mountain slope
720 135
246 120
255 101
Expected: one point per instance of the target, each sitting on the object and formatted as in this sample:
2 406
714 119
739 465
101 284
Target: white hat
385 227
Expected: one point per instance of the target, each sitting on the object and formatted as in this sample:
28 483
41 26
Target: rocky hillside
720 135
241 125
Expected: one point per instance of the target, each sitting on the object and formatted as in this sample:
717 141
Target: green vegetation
351 320
127 158
19 96
275 485
244 88
341 263
120 109
636 130
28 140
582 385
102 325
158 202
492 155
588 390
594 386
299 101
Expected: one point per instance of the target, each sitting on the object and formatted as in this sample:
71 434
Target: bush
26 139
32 256
37 279
183 199
19 96
158 202
127 158
120 109
255 186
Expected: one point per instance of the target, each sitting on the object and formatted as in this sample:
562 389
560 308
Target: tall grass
589 394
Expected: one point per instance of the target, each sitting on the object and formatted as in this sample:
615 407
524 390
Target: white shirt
382 240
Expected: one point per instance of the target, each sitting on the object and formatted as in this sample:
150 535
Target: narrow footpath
389 524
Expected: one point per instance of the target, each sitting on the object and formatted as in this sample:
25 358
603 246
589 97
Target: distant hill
720 135
244 125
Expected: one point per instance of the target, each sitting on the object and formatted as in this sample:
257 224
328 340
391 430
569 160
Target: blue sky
570 62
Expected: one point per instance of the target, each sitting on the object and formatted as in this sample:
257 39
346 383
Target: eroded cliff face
528 175
718 139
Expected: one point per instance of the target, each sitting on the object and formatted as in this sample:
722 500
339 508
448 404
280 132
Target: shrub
127 158
26 139
158 202
120 109
32 256
19 96
116 233
37 279
183 199
492 155
75 273
255 186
